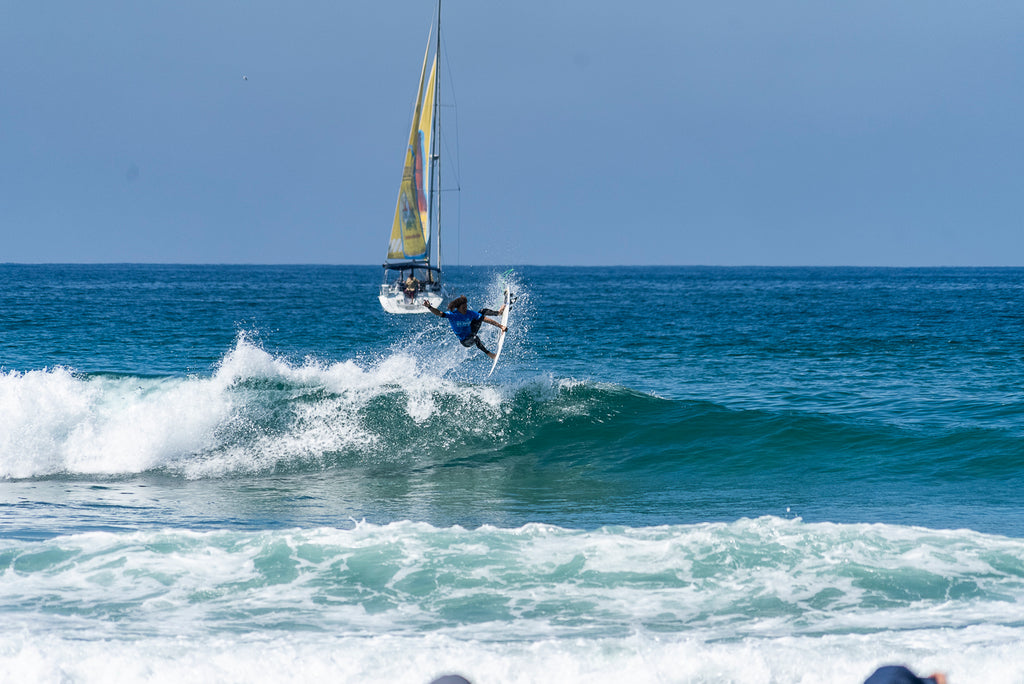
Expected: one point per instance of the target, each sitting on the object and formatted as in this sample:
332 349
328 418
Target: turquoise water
219 473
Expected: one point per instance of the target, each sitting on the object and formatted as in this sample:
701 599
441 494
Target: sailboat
416 228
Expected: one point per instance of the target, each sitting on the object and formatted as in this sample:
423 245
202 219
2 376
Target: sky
589 132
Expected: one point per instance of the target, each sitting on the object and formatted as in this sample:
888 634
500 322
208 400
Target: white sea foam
754 600
298 657
55 421
969 656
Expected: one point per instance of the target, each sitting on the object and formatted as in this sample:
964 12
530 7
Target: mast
436 186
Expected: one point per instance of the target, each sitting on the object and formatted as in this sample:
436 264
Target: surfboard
506 297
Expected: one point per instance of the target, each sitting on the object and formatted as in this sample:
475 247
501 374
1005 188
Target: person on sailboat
466 323
411 286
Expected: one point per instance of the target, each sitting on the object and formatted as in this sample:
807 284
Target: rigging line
457 164
456 172
454 106
458 230
454 168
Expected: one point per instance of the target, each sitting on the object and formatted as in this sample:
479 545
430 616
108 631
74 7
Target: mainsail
410 232
412 272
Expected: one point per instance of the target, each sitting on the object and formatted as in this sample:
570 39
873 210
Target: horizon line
494 265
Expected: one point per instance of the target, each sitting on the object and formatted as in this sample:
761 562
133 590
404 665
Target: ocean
675 474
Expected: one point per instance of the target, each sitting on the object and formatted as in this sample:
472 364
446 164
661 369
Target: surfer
466 323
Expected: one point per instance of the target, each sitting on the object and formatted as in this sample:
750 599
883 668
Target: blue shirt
462 323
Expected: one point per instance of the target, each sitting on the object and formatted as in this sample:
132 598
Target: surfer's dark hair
457 302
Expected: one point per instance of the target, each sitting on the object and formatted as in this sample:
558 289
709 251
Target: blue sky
795 132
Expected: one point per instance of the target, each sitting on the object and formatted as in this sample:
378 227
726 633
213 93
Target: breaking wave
258 413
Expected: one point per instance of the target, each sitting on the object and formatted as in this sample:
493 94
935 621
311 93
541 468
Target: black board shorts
474 327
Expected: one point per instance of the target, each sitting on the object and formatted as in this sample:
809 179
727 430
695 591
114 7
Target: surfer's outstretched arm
432 309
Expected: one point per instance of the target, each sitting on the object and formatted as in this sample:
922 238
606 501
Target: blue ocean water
248 474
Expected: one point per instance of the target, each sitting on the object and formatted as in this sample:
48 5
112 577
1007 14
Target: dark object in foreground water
451 679
897 674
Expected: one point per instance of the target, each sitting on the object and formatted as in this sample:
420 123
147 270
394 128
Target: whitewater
252 474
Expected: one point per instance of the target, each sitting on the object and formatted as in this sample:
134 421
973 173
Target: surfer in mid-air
466 323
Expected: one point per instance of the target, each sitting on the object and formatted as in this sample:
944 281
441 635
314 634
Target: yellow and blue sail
410 231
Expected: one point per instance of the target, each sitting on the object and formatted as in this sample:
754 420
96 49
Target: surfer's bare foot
491 355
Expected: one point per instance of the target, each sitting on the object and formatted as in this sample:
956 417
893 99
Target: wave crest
259 413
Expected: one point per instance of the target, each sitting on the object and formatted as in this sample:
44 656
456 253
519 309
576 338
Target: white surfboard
501 336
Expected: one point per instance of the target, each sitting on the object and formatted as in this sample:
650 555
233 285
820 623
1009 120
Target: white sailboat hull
393 300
